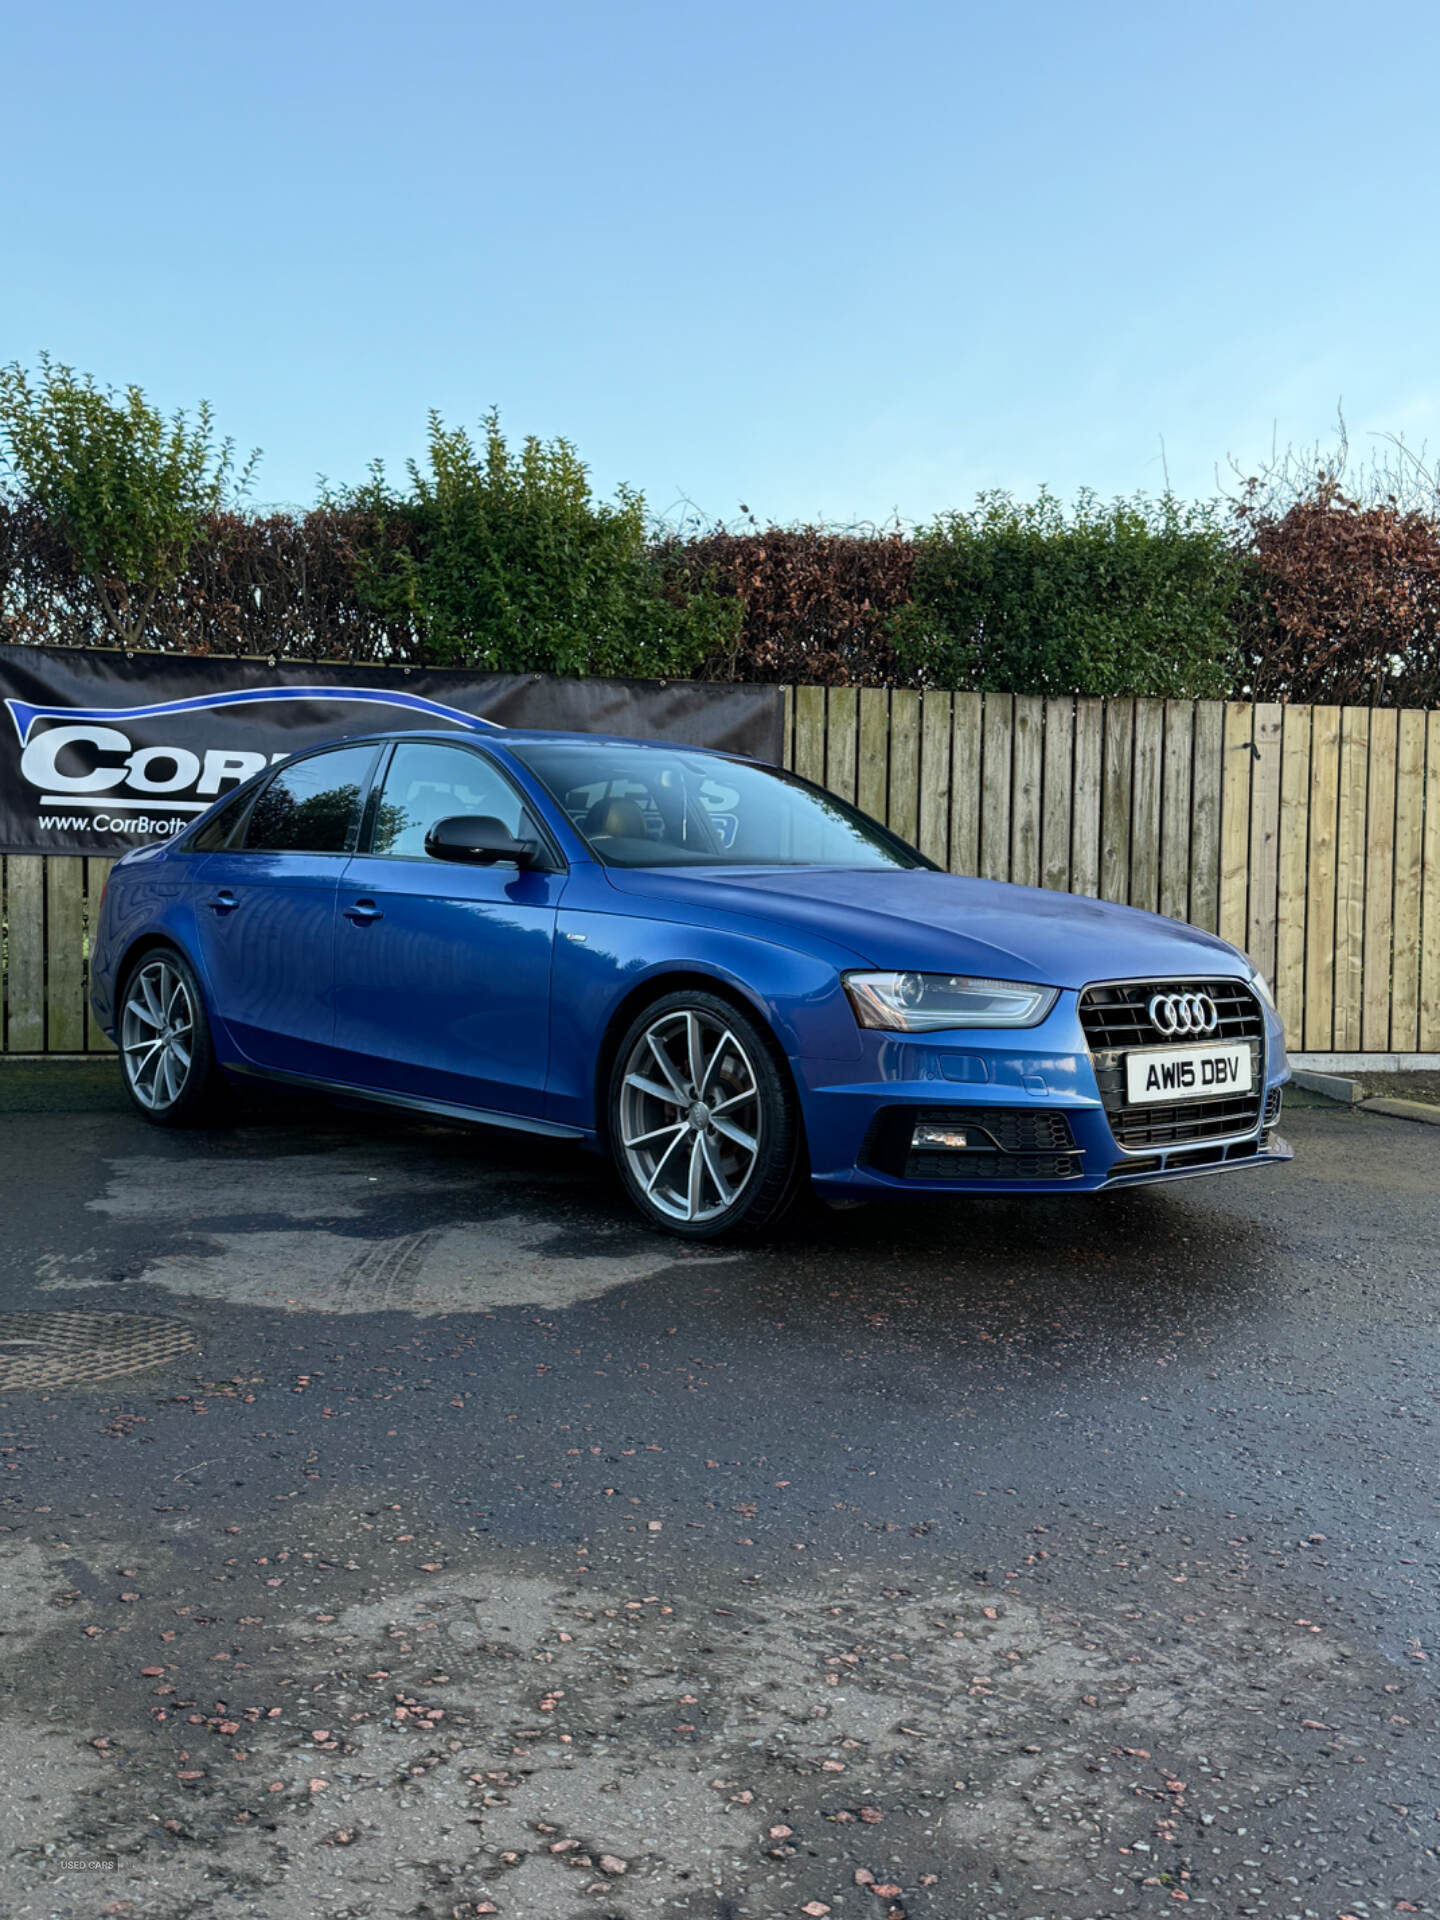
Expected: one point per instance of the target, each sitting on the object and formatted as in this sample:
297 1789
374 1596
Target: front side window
670 807
312 805
426 782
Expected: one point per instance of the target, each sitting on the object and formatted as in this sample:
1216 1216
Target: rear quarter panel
149 896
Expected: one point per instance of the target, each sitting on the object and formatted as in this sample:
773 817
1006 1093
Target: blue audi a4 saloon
725 978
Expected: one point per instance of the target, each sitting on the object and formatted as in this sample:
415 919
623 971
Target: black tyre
166 1057
704 1125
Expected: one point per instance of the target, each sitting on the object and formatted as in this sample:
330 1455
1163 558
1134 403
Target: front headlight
1258 981
927 1002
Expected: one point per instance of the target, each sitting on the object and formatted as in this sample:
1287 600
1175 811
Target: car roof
526 736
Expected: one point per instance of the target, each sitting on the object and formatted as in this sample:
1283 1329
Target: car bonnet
927 921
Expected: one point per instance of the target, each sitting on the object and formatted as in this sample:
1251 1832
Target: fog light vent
974 1142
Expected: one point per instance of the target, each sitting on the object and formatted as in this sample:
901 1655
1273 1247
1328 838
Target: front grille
1116 1021
1117 1017
1024 1143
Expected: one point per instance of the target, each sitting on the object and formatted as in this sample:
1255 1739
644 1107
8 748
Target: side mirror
481 840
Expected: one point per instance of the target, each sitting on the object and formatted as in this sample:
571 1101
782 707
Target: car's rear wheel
166 1056
704 1125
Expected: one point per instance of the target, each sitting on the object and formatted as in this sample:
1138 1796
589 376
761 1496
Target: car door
442 970
265 909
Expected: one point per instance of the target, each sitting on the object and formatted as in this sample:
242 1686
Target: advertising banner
101 752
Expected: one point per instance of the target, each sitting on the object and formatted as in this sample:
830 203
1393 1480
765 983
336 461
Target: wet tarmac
984 1560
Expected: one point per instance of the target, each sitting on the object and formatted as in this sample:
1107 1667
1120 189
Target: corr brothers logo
86 757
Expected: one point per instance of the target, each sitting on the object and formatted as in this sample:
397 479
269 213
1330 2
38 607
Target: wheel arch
150 941
142 944
656 987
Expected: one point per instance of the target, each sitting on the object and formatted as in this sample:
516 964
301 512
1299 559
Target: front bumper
853 1109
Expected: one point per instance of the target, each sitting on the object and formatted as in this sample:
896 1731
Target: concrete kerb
1331 1086
1351 1093
1422 1110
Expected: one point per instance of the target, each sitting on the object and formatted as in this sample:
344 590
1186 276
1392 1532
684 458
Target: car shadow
1136 1271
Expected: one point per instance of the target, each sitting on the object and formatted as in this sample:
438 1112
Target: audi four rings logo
1177 1013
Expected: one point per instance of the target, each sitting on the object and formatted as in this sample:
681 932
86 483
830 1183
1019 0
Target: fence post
1026 790
809 757
935 776
1430 894
64 955
1206 780
1145 807
1085 803
1116 798
997 766
25 953
1058 783
1288 979
1319 1028
97 872
1379 880
1409 852
1350 877
842 730
872 772
904 801
1235 822
966 782
1263 864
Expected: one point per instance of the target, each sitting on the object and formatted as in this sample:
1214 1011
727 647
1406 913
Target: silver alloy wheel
690 1115
157 1034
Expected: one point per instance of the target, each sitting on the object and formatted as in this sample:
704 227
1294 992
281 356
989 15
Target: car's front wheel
704 1125
166 1056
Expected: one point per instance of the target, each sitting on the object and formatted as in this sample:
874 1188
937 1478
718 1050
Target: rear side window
226 829
312 805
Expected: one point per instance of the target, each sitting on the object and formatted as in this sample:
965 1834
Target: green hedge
1024 596
505 560
121 526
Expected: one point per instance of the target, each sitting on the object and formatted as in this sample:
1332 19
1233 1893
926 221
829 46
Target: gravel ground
1403 1086
1001 1561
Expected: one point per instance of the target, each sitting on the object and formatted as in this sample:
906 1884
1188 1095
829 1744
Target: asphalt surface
989 1560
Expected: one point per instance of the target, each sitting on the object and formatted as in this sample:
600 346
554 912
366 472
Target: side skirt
410 1103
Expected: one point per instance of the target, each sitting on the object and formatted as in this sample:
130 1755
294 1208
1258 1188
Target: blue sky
833 261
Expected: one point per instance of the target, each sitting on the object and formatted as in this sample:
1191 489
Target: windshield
641 806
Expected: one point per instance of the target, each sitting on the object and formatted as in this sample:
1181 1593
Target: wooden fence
1310 836
49 909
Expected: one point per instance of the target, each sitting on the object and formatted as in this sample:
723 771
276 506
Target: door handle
362 912
223 903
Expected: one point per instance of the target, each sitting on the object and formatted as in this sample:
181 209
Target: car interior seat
616 819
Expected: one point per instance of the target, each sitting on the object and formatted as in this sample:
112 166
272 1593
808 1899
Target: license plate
1186 1073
